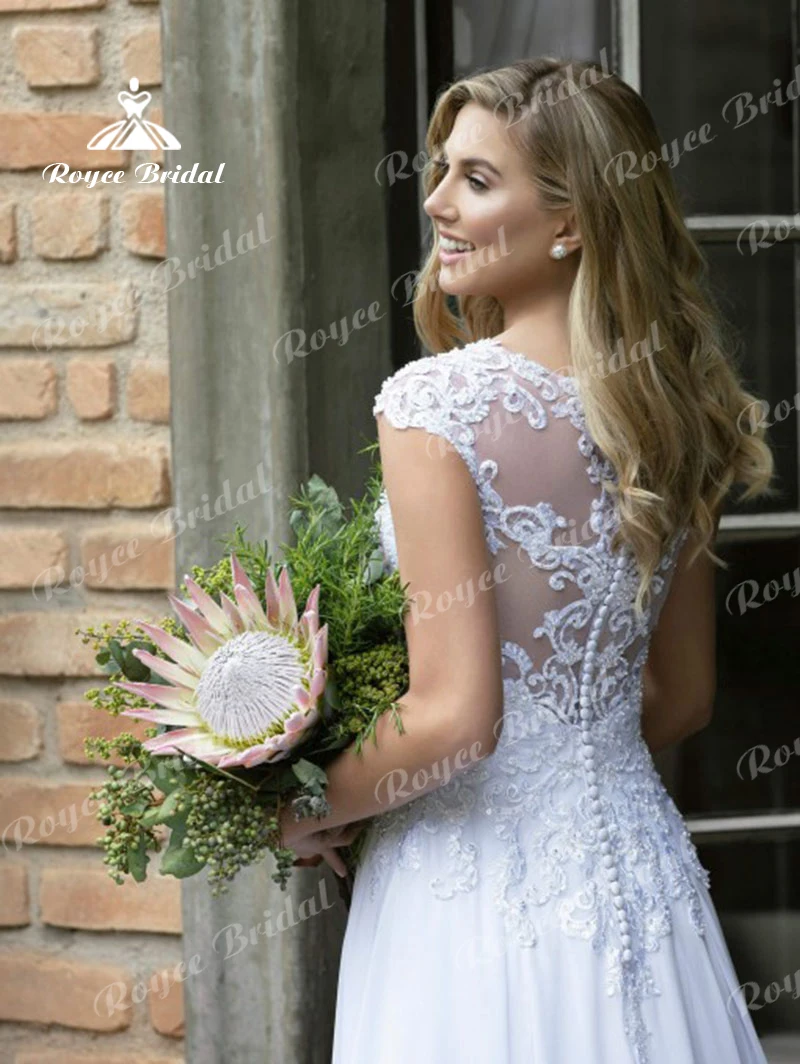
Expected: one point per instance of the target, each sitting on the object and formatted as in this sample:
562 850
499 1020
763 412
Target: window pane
755 292
748 759
699 58
755 886
492 35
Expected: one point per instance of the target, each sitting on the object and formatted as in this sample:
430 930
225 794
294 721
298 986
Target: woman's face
487 198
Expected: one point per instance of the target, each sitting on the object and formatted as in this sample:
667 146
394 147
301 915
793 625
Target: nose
437 204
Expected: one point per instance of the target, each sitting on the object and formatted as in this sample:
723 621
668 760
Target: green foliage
223 819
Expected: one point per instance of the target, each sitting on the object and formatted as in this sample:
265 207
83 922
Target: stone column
289 96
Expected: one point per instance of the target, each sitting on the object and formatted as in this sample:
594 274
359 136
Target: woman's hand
312 846
320 845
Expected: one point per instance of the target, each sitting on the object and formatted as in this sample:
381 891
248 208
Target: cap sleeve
423 394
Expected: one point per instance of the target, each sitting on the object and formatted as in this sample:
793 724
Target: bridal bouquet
248 697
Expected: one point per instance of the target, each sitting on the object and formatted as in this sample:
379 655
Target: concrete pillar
289 96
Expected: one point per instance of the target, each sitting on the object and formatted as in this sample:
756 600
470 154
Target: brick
14 902
147 391
77 720
49 5
8 231
141 55
57 55
91 387
61 1056
166 1009
86 476
92 314
20 731
40 812
44 643
28 389
39 987
87 899
128 556
70 225
26 553
143 229
31 140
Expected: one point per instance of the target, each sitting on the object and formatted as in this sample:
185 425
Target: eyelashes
476 184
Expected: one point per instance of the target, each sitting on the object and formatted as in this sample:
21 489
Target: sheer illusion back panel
548 502
552 525
521 430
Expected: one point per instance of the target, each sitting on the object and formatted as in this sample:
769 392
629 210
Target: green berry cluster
367 683
227 833
123 801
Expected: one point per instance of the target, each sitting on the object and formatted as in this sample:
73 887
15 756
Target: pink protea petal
232 760
232 613
166 669
213 613
246 598
308 627
198 627
191 741
167 739
302 700
266 752
318 681
250 608
321 647
239 575
169 697
312 602
241 758
286 603
300 722
185 654
271 597
160 716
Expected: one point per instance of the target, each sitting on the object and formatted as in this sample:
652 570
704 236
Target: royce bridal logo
134 132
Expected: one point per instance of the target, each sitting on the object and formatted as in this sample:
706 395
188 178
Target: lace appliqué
568 819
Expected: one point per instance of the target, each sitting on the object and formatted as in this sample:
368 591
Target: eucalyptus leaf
138 859
310 775
179 860
374 568
166 813
116 651
135 670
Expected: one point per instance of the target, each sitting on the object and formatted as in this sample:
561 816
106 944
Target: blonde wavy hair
670 425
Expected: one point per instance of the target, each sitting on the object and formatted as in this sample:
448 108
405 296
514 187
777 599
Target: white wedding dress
547 906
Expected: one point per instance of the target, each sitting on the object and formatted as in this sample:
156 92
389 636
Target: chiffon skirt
430 981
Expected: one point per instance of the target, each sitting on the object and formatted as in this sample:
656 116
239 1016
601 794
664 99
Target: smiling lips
451 245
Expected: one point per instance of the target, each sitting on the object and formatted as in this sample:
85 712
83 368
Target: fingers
335 861
341 836
310 862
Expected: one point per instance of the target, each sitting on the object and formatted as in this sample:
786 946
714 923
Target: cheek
522 230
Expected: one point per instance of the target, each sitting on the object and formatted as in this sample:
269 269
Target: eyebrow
476 160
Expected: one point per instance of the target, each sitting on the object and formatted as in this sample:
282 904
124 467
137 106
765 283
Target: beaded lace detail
568 818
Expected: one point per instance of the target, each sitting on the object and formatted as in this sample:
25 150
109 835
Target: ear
568 232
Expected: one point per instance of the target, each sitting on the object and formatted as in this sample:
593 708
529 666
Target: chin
454 285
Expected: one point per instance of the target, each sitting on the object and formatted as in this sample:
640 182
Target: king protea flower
246 689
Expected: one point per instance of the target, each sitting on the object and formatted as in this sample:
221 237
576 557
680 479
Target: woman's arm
680 675
452 711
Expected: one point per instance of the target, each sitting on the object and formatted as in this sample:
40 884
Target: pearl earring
558 251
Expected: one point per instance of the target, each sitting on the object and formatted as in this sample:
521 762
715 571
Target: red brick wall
84 472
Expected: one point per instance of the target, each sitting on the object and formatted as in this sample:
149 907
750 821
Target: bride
528 890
